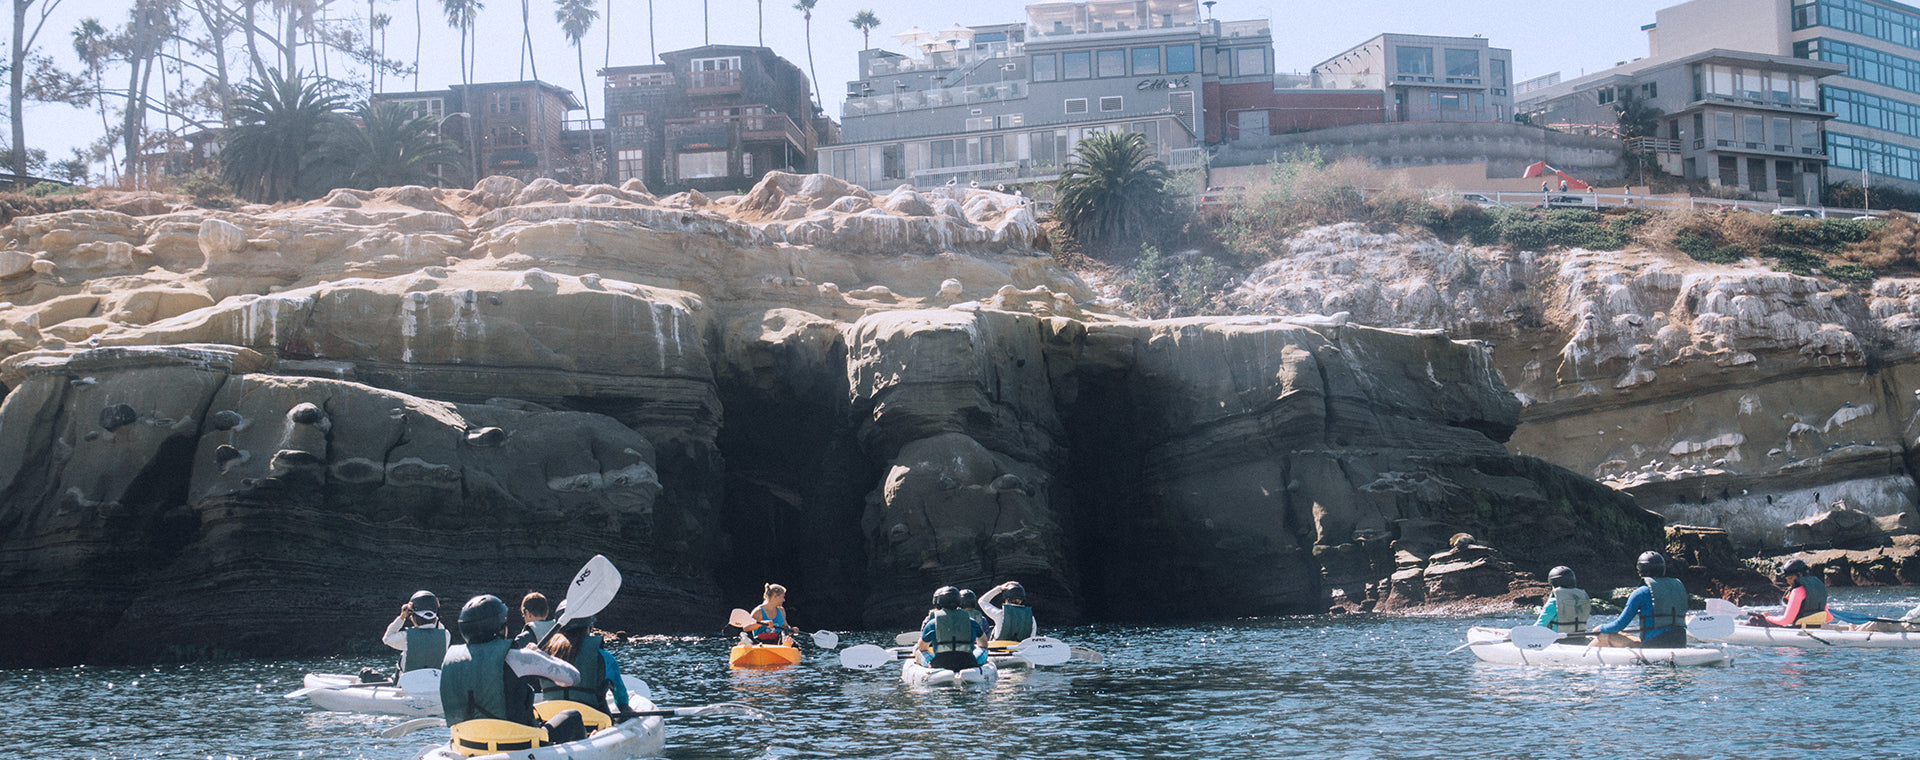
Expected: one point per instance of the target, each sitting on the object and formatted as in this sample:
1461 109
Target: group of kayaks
1708 632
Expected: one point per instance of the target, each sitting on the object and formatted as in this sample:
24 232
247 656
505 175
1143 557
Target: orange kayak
762 655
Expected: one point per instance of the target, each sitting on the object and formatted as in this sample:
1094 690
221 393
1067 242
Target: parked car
1803 213
1480 200
1567 201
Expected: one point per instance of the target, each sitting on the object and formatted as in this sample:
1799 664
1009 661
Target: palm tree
576 19
805 7
526 41
1113 190
93 46
461 15
760 11
865 21
278 125
417 27
389 147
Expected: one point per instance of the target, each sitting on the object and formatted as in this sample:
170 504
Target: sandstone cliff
260 430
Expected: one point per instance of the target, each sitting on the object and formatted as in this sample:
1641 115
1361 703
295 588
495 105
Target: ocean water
1258 688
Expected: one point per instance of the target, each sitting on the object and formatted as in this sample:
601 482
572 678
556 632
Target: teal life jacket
426 648
1016 623
475 682
592 686
952 632
1571 608
1669 608
1816 601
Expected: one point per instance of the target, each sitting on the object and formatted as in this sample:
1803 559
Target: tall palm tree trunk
760 9
811 74
416 45
653 51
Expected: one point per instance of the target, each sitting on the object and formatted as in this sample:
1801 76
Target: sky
1545 36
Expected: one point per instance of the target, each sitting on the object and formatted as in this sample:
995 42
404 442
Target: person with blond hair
770 617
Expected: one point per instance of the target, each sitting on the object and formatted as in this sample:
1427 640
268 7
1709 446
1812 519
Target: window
1076 105
1416 61
1784 180
1757 175
1113 63
729 63
1605 95
1782 133
1179 59
1111 103
630 163
1649 90
638 120
1806 135
1046 68
1250 62
1729 171
1451 101
1755 130
504 103
1223 62
1040 148
1251 123
943 154
1076 65
843 164
1463 64
1497 71
1723 128
703 164
1146 61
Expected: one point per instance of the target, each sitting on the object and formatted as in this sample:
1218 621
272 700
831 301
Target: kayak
635 738
352 696
1816 638
1491 645
915 674
762 656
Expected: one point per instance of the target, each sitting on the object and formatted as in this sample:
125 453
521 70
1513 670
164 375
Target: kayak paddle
1043 651
298 693
743 619
702 711
407 727
1722 607
1522 636
421 682
1710 626
590 590
865 657
907 639
1087 654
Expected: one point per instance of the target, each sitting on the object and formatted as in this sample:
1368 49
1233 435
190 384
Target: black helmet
947 598
1562 577
1652 565
425 605
968 598
584 621
1794 567
483 619
1016 594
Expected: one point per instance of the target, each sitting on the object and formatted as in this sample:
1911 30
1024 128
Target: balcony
713 82
914 100
742 129
1653 145
1741 146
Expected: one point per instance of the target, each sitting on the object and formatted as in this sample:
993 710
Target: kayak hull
762 656
379 700
1820 638
1490 645
637 738
913 673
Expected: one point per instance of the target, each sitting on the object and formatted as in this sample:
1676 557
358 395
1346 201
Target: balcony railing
913 100
703 82
745 128
1653 145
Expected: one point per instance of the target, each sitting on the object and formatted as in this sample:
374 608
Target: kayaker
772 617
599 672
1806 605
533 610
1661 606
418 633
950 638
1568 607
484 678
970 602
1013 622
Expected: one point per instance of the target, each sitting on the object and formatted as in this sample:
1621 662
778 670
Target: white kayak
913 673
344 693
1819 638
635 738
1492 645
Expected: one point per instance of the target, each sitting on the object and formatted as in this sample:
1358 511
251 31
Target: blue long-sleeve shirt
1548 614
613 679
1639 605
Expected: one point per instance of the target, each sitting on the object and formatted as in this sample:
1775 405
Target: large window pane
1250 62
1113 63
1463 63
1046 68
1414 60
1179 59
1076 65
1146 61
712 163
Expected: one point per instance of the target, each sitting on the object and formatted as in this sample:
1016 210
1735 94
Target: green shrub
1851 273
1174 286
1799 261
1465 221
46 189
1574 228
1824 234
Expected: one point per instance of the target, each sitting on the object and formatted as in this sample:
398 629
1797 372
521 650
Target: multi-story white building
1426 78
1007 103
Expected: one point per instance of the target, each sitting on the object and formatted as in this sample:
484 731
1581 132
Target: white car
1803 213
1481 200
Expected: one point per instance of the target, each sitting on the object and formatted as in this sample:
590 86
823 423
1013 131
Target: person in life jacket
488 678
970 602
1568 606
599 672
1806 605
533 610
418 633
1014 622
1661 606
950 638
771 617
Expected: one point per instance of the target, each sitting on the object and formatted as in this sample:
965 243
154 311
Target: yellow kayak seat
999 644
1814 620
487 736
592 716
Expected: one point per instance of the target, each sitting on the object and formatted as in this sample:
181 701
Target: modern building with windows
511 128
1737 119
714 118
1426 78
1007 103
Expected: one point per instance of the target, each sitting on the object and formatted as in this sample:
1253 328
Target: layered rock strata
260 430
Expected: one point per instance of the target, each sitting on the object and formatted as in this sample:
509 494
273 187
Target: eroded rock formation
260 430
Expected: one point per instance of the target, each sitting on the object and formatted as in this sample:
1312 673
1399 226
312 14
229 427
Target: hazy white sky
1545 36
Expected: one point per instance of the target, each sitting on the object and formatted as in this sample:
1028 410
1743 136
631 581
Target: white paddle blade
1722 607
637 687
1087 654
721 708
1710 626
826 639
1044 651
1532 636
864 657
421 682
590 590
907 639
411 726
741 619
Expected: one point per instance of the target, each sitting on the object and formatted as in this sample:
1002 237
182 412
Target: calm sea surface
1265 688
